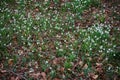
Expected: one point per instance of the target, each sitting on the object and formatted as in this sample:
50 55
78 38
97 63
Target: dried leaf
3 71
44 75
85 66
98 64
100 70
12 78
81 74
57 60
36 10
62 69
80 63
17 78
95 77
56 79
36 64
35 75
1 65
10 62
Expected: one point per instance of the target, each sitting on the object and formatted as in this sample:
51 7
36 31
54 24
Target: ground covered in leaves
59 40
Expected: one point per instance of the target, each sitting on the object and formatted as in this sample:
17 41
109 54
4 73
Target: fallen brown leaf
95 77
12 78
85 66
44 75
3 71
57 60
56 79
10 62
35 75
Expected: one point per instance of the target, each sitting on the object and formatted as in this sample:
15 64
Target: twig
10 71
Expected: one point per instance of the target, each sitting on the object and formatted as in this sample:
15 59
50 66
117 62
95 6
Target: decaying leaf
80 63
62 69
95 77
12 78
35 75
10 62
98 64
36 64
85 66
1 65
44 75
57 60
56 79
3 71
99 67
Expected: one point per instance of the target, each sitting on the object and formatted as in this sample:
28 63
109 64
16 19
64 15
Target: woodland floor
53 61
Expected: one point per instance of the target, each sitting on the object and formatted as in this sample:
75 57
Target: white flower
60 49
31 70
46 62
